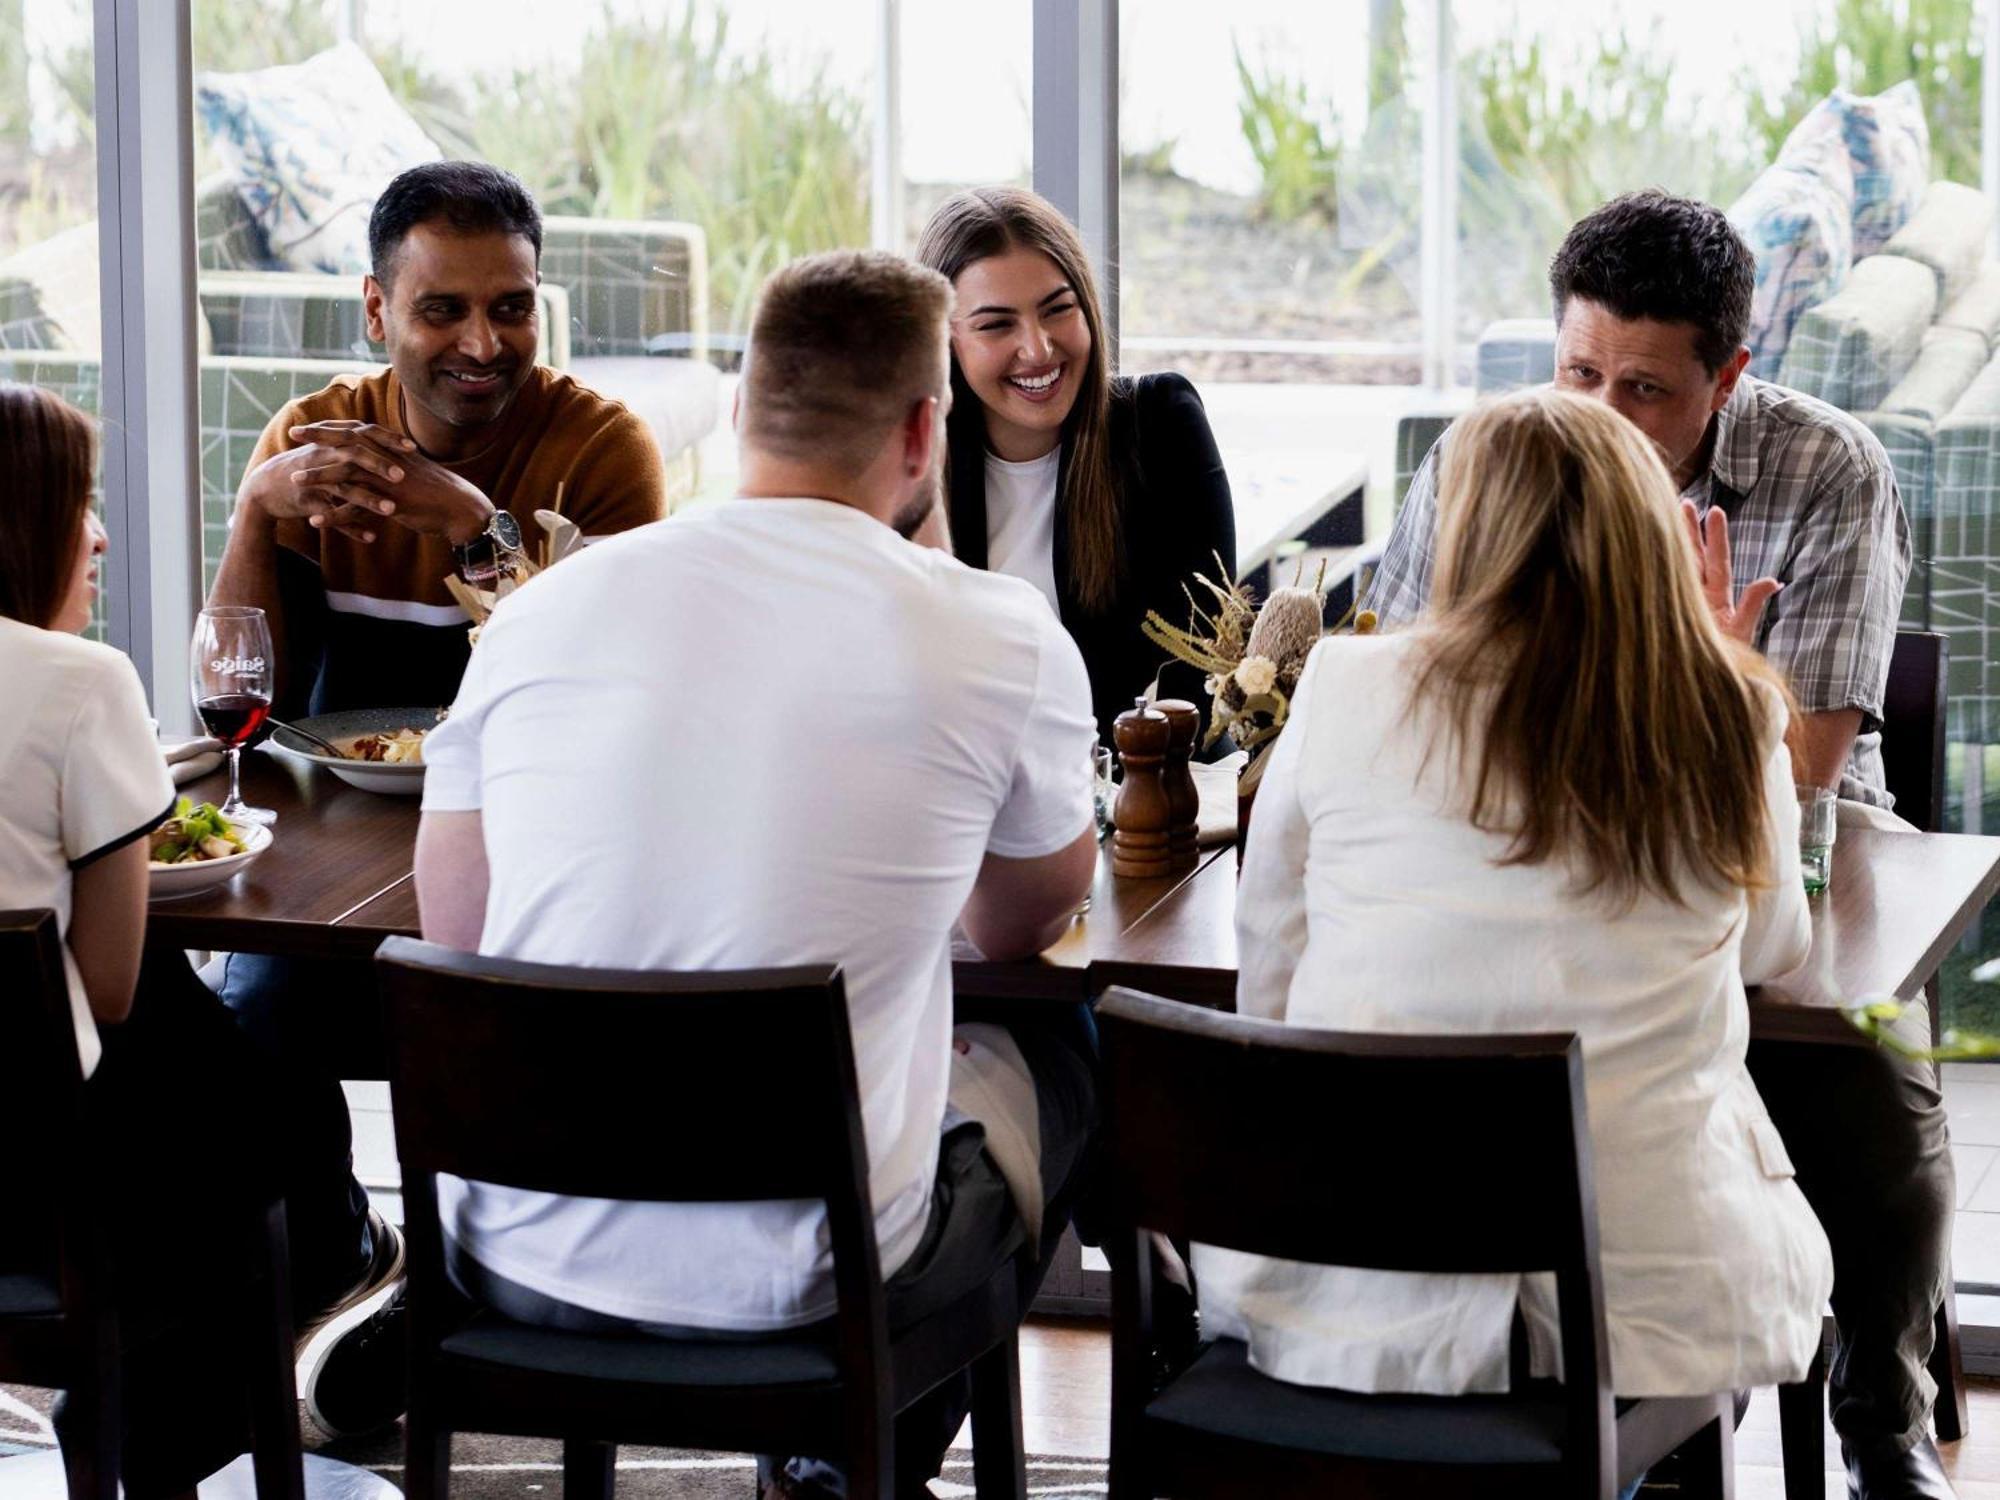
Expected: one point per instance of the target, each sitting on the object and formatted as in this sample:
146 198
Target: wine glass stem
235 794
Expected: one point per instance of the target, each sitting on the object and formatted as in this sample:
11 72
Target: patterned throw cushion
1795 219
1889 144
311 146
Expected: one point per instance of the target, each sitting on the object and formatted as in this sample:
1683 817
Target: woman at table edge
1107 493
1561 802
170 1082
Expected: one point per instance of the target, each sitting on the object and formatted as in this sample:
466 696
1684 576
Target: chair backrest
1913 727
42 1086
603 1083
1409 1153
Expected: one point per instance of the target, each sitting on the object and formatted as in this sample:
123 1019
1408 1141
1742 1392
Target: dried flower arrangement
562 537
1253 656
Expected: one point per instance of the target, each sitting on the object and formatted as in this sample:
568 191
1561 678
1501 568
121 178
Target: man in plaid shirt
1804 549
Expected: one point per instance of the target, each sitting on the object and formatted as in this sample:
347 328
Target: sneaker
362 1385
384 1273
352 1310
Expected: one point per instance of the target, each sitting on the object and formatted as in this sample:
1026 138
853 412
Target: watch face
506 530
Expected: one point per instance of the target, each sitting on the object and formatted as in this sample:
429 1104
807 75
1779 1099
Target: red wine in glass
231 675
233 718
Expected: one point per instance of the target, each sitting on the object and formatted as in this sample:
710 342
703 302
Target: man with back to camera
884 741
1804 550
357 503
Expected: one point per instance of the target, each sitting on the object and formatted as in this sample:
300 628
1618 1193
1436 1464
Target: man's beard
910 517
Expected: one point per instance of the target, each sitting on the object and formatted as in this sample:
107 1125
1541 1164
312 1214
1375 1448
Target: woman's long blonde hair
982 222
1612 724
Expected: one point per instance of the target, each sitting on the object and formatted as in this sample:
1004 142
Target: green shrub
1296 147
1869 45
662 120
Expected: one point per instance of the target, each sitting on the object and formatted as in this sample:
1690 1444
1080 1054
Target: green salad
194 834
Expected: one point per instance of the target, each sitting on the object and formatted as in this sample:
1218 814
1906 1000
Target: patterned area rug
500 1468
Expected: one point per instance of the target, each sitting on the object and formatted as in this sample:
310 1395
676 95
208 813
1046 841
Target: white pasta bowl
167 882
340 728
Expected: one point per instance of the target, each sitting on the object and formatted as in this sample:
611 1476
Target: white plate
369 775
167 882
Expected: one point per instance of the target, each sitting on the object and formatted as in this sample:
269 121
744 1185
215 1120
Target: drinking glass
1816 825
1104 785
230 672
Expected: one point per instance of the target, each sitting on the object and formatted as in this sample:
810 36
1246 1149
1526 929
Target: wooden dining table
337 880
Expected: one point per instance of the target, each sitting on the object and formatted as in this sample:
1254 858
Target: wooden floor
1066 1404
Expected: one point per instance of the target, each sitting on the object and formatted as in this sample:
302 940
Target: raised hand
1737 615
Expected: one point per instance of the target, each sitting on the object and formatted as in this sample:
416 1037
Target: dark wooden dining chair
1913 745
1913 704
59 1329
661 1087
1410 1153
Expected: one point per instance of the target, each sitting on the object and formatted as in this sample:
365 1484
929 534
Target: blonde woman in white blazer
1561 802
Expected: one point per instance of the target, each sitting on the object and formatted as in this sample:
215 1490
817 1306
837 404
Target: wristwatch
493 552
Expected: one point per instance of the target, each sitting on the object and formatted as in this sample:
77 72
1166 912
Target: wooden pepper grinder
1183 800
1140 842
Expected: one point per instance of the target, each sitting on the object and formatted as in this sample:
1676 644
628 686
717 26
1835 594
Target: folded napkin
190 760
1217 785
1850 814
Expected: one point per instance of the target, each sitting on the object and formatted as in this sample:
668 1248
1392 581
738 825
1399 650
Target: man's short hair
471 196
842 345
1673 260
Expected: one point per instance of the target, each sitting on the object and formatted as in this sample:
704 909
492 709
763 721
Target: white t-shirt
771 732
83 775
1021 519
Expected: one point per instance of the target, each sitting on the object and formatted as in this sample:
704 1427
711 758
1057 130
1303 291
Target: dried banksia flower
1287 628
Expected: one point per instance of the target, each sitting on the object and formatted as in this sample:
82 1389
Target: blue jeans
306 1022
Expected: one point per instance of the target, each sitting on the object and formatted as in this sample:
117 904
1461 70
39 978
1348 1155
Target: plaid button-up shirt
1812 502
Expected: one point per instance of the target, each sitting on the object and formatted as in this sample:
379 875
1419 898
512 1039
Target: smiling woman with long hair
170 1080
1105 492
1560 802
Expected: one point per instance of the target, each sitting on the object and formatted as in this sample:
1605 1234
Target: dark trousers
167 1108
973 1231
1866 1131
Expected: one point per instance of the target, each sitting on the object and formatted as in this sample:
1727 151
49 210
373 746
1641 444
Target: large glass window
1269 190
49 296
967 102
679 154
1270 245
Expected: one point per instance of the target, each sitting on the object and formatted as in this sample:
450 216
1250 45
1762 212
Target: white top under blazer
1369 902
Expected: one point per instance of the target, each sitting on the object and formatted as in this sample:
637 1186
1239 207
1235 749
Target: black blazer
1176 515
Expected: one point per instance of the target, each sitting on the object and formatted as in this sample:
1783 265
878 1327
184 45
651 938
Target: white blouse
1368 904
1021 520
83 775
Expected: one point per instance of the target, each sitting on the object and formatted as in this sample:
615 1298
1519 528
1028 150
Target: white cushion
1977 308
312 146
1852 349
678 398
1948 233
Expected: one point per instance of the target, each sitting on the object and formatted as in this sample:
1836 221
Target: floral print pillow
1888 144
1795 219
312 145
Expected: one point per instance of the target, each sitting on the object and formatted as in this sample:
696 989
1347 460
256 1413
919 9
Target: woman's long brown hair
46 456
982 222
1612 725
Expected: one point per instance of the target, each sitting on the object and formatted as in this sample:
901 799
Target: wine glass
230 671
